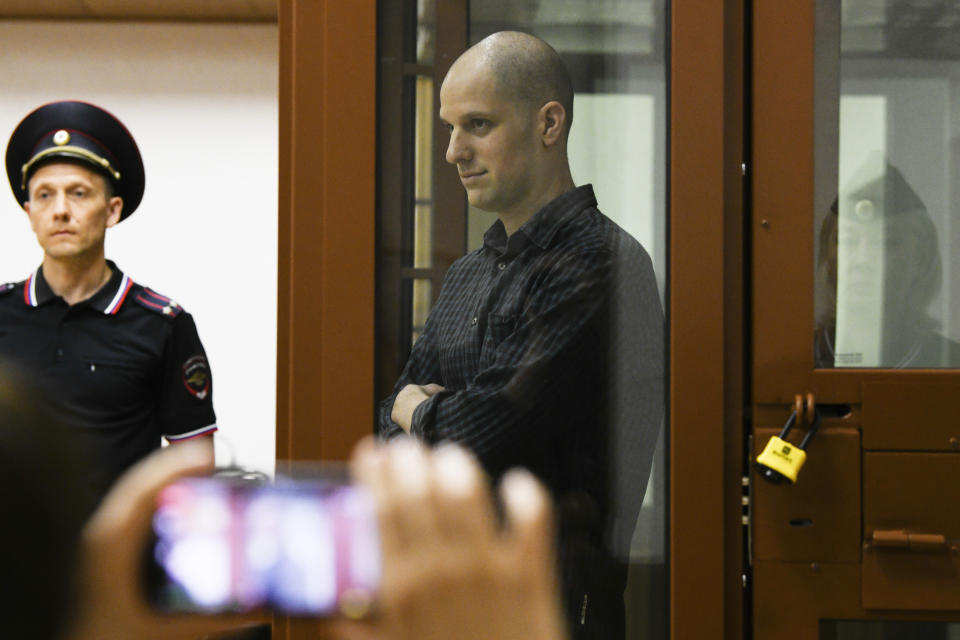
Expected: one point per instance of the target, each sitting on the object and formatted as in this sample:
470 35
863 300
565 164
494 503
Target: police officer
119 362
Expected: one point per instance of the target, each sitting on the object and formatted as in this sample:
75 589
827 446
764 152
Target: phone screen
304 548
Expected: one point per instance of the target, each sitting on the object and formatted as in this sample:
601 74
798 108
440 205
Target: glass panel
887 184
423 174
420 307
877 630
616 52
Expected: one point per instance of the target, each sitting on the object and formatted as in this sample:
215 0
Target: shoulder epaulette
7 287
150 299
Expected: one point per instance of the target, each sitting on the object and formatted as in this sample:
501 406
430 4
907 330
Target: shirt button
502 266
59 352
473 321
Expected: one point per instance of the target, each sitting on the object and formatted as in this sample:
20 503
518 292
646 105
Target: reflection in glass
880 266
616 55
887 184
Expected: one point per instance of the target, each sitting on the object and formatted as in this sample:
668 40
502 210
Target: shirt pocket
114 385
499 328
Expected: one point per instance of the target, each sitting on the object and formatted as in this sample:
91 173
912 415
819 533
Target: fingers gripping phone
307 548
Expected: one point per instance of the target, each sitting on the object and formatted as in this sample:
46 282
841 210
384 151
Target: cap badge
864 209
61 137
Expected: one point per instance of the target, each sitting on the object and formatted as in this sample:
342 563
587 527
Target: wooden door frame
327 183
782 224
782 221
706 314
325 288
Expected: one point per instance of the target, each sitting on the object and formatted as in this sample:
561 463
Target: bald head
506 103
526 70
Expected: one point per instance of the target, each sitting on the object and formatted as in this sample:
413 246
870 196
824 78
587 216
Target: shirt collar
107 300
543 225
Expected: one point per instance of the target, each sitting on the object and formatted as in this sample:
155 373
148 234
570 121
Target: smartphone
306 548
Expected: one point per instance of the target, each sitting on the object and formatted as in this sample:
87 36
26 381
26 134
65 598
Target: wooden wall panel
706 318
326 253
325 286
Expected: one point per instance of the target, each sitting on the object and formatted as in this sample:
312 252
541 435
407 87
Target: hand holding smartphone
306 548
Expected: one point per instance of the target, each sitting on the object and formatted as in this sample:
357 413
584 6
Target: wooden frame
783 226
326 212
819 585
326 235
706 302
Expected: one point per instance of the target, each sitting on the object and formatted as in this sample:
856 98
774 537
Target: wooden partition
326 235
706 304
326 253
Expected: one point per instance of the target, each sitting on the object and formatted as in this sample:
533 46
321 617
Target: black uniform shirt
123 367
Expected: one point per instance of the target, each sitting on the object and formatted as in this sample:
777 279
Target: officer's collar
107 300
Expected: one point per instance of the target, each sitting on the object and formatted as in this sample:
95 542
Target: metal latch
903 539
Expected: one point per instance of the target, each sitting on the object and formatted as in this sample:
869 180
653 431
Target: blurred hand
450 571
110 594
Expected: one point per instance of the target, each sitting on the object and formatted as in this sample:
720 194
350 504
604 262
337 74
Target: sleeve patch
196 377
161 304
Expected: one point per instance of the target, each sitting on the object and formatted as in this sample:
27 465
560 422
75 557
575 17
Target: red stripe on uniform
123 297
157 295
149 303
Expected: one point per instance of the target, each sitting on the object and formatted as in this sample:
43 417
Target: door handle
903 539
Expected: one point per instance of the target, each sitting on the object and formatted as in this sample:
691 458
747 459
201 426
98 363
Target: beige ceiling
258 10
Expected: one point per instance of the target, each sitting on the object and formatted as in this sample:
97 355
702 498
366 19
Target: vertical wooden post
706 317
327 185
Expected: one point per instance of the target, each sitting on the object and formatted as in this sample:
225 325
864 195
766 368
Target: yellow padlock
783 458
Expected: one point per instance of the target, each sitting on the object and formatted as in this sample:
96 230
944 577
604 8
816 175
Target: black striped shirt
549 344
